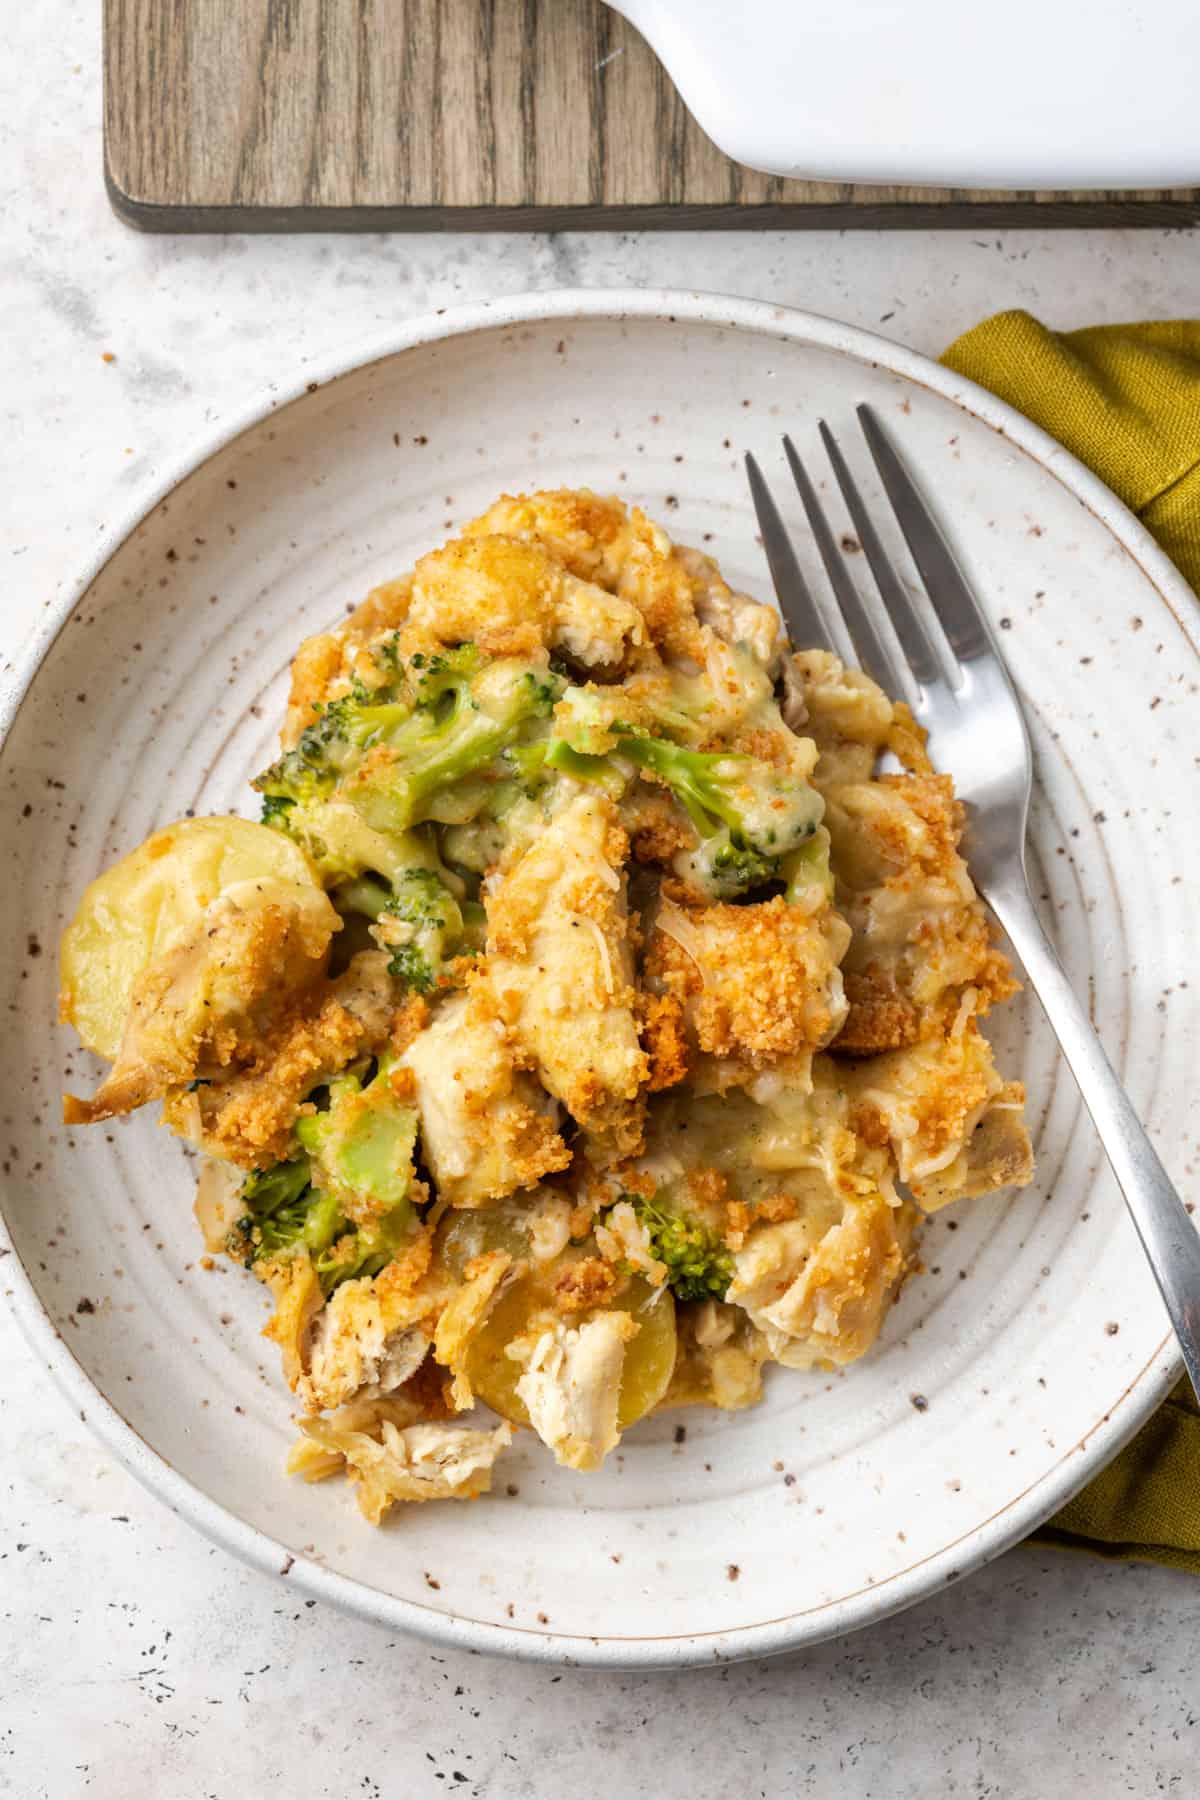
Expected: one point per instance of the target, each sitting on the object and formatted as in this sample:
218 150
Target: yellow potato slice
141 906
649 1359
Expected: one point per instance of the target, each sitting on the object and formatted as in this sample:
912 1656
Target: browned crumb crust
585 1284
664 1040
249 1118
757 995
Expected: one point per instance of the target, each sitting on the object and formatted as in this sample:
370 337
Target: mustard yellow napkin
1125 399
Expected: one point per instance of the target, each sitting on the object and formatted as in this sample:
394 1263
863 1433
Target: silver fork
960 691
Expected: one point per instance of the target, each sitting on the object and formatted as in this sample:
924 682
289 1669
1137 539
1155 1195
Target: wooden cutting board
317 115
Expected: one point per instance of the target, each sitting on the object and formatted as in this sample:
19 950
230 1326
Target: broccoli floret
268 1190
337 740
420 748
433 676
356 1165
364 1252
310 1223
275 810
699 1267
284 1213
601 771
423 747
727 869
437 764
421 924
360 1148
395 879
367 896
347 851
750 815
385 658
359 1152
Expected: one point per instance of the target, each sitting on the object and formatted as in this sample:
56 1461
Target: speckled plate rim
771 1637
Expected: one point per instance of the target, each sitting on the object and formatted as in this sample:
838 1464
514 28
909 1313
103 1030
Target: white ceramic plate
1034 1344
934 91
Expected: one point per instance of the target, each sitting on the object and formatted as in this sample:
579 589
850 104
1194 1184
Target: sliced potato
649 1359
147 901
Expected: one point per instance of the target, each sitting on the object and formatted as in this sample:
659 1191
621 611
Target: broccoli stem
693 777
362 896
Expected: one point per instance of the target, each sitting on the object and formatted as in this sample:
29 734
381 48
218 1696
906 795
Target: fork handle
1168 1235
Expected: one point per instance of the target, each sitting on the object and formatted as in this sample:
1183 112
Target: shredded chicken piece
394 1462
486 1127
732 616
920 939
824 1302
571 1384
369 1339
560 965
930 1102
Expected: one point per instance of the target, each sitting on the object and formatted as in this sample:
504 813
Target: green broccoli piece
267 1190
337 740
727 869
699 1267
367 896
359 1151
284 1213
395 879
357 1158
275 810
808 867
438 763
421 924
360 1148
310 1223
601 771
750 815
361 868
361 1253
420 747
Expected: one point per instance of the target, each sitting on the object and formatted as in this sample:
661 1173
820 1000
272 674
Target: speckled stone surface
134 1658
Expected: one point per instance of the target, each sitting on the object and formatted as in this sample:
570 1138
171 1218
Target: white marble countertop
136 1659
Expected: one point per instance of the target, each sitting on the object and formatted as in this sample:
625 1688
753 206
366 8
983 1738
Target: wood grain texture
489 114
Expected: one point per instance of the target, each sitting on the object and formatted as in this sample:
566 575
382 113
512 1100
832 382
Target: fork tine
806 627
914 639
873 656
956 607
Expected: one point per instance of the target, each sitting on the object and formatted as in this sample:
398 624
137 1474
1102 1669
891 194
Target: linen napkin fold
1124 399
